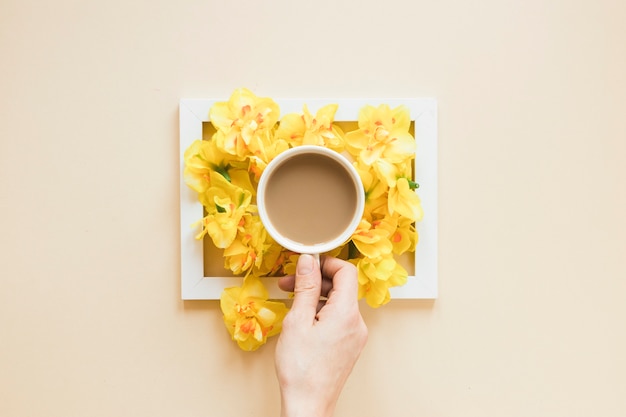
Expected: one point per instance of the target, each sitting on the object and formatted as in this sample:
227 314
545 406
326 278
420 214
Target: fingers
345 286
307 286
288 282
339 276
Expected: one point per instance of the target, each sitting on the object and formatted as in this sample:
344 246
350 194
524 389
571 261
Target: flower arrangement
225 170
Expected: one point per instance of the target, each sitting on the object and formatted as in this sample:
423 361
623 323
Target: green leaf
223 171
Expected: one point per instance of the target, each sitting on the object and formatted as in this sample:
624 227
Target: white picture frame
421 284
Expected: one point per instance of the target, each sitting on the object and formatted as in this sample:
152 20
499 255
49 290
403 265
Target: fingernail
306 263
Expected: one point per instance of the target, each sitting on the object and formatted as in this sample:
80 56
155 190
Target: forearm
292 406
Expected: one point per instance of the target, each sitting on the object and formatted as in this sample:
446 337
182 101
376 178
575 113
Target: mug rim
322 247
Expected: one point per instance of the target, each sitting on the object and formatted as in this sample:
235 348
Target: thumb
308 285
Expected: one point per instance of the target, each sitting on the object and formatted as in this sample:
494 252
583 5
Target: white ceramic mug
324 163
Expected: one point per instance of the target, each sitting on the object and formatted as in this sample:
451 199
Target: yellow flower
290 263
240 178
221 227
385 171
376 276
388 173
273 260
308 130
375 191
248 316
404 238
244 123
260 161
383 133
371 240
250 247
225 205
376 293
197 166
204 156
403 199
222 188
199 161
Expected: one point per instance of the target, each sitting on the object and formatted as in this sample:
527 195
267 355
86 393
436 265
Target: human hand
321 340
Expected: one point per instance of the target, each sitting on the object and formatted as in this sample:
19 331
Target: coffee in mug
310 199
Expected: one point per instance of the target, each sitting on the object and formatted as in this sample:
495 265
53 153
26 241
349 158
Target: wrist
305 406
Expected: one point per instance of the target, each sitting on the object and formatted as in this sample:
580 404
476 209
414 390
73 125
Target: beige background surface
532 122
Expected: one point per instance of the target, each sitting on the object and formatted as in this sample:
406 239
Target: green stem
412 184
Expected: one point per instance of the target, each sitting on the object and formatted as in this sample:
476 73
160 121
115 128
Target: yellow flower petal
405 201
385 171
382 133
221 228
249 318
400 147
244 122
254 288
356 141
370 241
376 276
404 238
306 129
291 128
265 316
228 300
